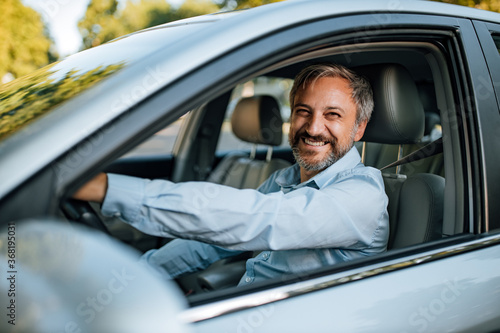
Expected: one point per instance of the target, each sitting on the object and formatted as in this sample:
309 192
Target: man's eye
302 111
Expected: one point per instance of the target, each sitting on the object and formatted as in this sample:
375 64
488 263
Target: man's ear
360 131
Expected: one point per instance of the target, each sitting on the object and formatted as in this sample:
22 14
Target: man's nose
315 125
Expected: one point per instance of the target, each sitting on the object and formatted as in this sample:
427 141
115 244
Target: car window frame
485 79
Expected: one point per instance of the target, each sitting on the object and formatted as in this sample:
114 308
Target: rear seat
255 120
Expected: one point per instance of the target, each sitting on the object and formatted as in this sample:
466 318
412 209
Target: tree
103 20
241 4
150 13
192 8
491 5
24 45
468 3
100 23
144 14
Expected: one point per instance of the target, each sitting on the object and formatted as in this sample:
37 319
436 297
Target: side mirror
67 278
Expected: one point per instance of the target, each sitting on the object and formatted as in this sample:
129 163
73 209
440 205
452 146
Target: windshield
26 99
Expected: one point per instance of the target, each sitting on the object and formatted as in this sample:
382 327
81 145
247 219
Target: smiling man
327 208
325 117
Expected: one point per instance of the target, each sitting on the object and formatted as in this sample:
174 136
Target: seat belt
431 149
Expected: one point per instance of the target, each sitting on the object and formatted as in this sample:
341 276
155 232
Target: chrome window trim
220 308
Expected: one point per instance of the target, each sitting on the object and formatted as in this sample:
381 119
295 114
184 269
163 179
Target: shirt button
248 279
265 256
117 214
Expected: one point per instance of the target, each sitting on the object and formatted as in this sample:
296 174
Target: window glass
161 143
277 87
496 39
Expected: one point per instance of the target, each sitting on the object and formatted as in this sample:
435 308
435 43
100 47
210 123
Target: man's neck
306 175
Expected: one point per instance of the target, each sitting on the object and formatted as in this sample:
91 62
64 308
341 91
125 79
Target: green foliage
26 99
468 3
491 5
143 14
192 8
103 20
24 43
100 23
241 4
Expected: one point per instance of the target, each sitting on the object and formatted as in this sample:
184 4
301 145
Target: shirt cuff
124 197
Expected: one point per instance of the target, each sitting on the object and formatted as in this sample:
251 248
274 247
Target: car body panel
444 295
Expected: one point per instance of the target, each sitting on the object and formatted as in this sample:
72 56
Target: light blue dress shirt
336 216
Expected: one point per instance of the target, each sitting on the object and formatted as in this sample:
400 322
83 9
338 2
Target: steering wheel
81 212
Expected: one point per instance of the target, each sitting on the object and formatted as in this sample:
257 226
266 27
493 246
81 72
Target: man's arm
180 256
249 220
94 190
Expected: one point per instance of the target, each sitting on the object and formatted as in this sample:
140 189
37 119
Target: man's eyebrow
302 105
336 108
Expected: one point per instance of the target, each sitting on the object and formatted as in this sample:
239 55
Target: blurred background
38 32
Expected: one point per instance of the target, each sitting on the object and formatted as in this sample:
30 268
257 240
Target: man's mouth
314 143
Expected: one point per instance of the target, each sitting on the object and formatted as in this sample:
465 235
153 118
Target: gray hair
361 90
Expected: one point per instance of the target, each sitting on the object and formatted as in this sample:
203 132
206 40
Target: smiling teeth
313 143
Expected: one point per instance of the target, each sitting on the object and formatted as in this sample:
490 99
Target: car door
421 287
451 284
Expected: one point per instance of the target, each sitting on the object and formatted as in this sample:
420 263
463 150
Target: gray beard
337 152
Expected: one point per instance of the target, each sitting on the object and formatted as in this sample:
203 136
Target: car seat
415 201
255 120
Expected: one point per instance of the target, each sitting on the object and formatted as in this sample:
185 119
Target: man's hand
94 190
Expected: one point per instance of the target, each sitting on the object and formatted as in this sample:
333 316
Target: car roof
171 58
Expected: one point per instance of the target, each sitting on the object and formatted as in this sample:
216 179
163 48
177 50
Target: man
327 208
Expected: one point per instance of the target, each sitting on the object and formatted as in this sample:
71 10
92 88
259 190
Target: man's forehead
314 80
335 84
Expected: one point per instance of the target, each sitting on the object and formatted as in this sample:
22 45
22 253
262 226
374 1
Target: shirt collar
290 177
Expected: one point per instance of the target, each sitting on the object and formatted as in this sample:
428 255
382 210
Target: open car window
438 89
161 143
429 70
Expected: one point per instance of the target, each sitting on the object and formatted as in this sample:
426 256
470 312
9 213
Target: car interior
412 91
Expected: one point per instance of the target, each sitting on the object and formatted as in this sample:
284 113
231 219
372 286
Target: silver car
158 103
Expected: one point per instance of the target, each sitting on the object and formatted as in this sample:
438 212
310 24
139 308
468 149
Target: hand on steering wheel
81 212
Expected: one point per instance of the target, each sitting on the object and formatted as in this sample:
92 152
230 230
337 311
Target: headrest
398 116
258 120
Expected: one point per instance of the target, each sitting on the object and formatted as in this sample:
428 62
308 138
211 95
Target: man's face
323 123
